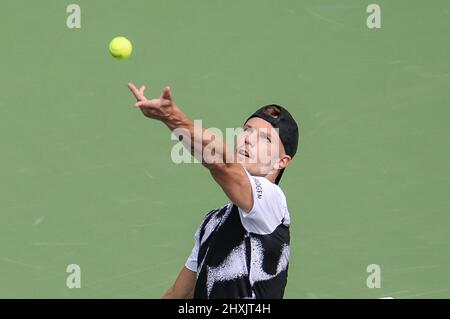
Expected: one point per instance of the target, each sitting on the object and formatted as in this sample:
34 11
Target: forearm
204 145
184 285
168 294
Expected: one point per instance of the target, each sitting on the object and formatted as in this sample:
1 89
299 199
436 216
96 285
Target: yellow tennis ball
120 48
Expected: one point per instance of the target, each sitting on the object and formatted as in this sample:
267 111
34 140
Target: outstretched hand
158 109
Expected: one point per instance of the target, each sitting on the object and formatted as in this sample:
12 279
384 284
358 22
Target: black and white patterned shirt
244 255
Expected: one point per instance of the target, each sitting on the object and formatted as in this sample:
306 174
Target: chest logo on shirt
258 188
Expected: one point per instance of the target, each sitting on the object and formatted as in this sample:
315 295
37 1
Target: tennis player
241 249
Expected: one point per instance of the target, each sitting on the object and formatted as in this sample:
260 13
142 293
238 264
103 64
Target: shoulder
269 207
266 190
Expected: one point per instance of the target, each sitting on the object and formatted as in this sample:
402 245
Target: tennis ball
120 48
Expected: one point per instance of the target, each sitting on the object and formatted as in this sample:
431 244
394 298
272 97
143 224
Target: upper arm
233 179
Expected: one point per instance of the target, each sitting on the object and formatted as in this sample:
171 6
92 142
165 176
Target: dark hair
272 110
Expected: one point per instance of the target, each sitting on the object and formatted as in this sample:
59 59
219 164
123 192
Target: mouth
244 153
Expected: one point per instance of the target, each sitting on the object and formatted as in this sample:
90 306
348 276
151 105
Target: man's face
259 147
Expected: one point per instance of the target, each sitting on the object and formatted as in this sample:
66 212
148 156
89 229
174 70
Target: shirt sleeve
191 262
269 207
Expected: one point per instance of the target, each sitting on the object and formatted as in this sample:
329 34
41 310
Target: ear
284 161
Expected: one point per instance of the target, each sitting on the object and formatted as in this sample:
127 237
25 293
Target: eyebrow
265 133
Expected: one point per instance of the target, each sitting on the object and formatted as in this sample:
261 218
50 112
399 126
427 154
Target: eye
264 136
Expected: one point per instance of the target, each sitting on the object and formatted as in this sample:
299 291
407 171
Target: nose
250 138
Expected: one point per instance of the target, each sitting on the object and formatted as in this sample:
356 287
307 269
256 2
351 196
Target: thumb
166 94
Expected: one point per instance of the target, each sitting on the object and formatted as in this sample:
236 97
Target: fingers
139 94
166 94
143 102
146 103
142 91
133 88
138 104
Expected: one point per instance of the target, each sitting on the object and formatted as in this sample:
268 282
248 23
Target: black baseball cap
287 129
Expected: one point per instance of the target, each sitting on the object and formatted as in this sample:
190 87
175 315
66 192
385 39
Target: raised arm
231 177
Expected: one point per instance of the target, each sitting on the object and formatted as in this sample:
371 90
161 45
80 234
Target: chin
254 171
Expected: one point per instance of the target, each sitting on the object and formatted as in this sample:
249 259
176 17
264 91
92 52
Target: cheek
267 148
240 139
265 152
272 153
276 149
